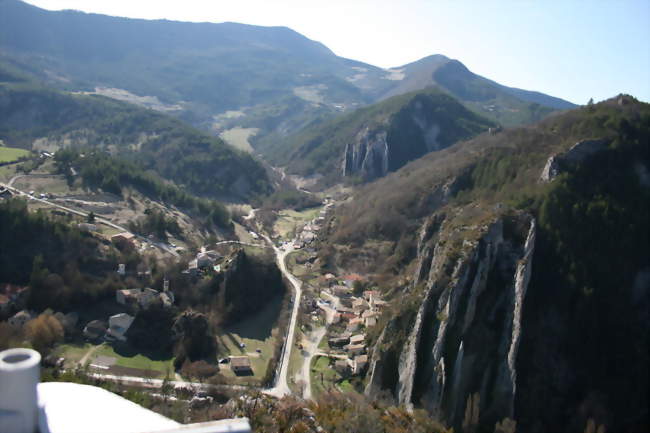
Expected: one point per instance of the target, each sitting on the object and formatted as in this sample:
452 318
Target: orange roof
11 289
353 277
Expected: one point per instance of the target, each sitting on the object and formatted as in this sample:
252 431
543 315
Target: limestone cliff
465 336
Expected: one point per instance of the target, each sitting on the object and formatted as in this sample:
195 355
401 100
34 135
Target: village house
347 315
354 324
12 297
329 297
5 193
19 319
357 339
167 298
355 349
360 304
359 363
339 341
94 330
349 280
142 297
241 365
341 290
368 295
341 366
87 227
118 325
367 314
207 259
342 309
369 321
123 238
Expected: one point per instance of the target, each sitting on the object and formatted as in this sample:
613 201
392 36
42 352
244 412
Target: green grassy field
238 138
7 172
256 332
126 358
10 154
321 365
52 185
289 219
72 352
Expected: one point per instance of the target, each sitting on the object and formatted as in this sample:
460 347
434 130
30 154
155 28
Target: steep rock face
466 332
367 155
421 126
569 159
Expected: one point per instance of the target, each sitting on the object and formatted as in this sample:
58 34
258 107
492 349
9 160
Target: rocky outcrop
556 164
466 333
367 155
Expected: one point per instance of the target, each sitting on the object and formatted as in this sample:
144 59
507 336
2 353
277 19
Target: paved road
311 349
157 383
164 247
243 243
281 387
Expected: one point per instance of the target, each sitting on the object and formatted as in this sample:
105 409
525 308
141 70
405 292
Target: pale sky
573 49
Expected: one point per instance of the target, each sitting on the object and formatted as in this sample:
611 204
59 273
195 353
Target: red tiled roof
11 289
353 277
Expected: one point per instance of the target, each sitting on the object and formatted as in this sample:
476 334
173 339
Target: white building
118 325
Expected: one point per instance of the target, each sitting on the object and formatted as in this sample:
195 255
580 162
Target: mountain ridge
278 79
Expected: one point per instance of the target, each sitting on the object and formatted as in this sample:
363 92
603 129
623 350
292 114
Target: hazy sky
574 49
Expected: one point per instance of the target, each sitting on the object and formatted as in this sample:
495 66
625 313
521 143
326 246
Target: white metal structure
27 406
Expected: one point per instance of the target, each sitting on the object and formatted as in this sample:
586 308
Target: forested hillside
64 266
35 117
378 139
524 218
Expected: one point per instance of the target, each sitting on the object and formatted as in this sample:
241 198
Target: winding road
281 387
310 350
98 219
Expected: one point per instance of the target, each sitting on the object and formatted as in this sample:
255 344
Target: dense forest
112 174
63 266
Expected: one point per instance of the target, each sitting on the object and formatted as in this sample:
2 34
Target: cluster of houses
145 297
310 230
116 330
339 306
205 261
119 324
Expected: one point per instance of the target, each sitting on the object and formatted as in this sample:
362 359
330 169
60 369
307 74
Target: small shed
241 365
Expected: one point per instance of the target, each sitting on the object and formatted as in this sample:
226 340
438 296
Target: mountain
38 118
506 105
505 307
190 67
378 139
229 75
